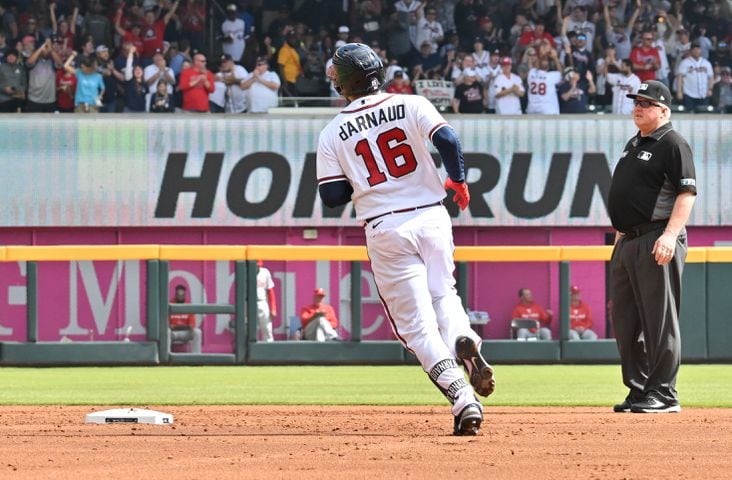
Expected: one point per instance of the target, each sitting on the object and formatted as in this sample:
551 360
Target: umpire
651 196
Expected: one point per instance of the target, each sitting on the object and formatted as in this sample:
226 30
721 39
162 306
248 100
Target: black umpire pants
646 299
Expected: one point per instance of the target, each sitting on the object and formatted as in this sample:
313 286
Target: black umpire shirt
651 172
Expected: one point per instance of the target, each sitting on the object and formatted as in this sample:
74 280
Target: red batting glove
462 195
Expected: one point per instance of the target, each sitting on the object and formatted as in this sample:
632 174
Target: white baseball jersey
622 86
264 283
482 64
493 72
697 76
508 104
377 143
543 97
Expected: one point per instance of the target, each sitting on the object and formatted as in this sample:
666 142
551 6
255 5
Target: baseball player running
374 153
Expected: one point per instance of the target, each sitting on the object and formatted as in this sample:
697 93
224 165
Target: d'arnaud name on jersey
371 120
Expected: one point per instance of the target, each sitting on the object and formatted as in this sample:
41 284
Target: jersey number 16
390 153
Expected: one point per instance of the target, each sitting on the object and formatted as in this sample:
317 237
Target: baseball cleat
623 407
481 374
653 405
469 420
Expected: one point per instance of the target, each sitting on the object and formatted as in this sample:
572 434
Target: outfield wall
248 180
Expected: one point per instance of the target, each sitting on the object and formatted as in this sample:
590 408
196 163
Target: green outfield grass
526 385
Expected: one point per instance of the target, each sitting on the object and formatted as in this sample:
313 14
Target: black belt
644 228
368 220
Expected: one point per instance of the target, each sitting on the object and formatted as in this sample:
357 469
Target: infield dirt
304 442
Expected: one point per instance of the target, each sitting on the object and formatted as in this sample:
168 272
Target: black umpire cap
653 90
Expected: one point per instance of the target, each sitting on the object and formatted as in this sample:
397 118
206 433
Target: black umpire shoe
654 405
481 374
623 407
469 420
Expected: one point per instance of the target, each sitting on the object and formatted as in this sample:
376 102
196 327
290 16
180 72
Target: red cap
574 289
506 61
260 263
319 291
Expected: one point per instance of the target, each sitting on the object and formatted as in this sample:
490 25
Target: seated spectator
182 326
261 86
319 321
527 308
162 100
399 84
580 317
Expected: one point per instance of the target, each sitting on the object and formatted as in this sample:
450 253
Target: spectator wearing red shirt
527 308
65 90
182 326
319 321
196 83
130 35
580 317
153 31
533 38
645 58
399 84
192 16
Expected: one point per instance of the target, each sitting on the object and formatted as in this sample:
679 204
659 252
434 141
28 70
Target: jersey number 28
391 147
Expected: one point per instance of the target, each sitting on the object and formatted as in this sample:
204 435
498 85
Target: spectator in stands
89 84
368 21
196 83
645 58
399 84
578 22
162 100
233 41
261 86
42 79
409 8
135 90
425 62
290 68
159 71
13 82
319 321
542 81
527 308
508 90
618 33
533 37
182 326
233 76
722 91
682 48
153 32
469 95
30 29
96 24
266 302
343 33
63 28
467 13
65 90
482 59
623 83
580 317
694 77
193 20
428 29
110 75
131 36
9 22
573 97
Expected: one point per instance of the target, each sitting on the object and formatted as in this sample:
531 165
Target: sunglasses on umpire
645 104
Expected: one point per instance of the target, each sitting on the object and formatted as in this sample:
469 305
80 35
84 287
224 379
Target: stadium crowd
504 57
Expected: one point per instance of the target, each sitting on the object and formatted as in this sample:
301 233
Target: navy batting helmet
358 71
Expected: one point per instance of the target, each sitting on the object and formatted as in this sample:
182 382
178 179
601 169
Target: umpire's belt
402 210
643 228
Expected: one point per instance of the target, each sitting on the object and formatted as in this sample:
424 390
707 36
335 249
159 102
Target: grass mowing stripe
523 385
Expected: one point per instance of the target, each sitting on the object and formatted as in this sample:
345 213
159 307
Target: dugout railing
706 322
